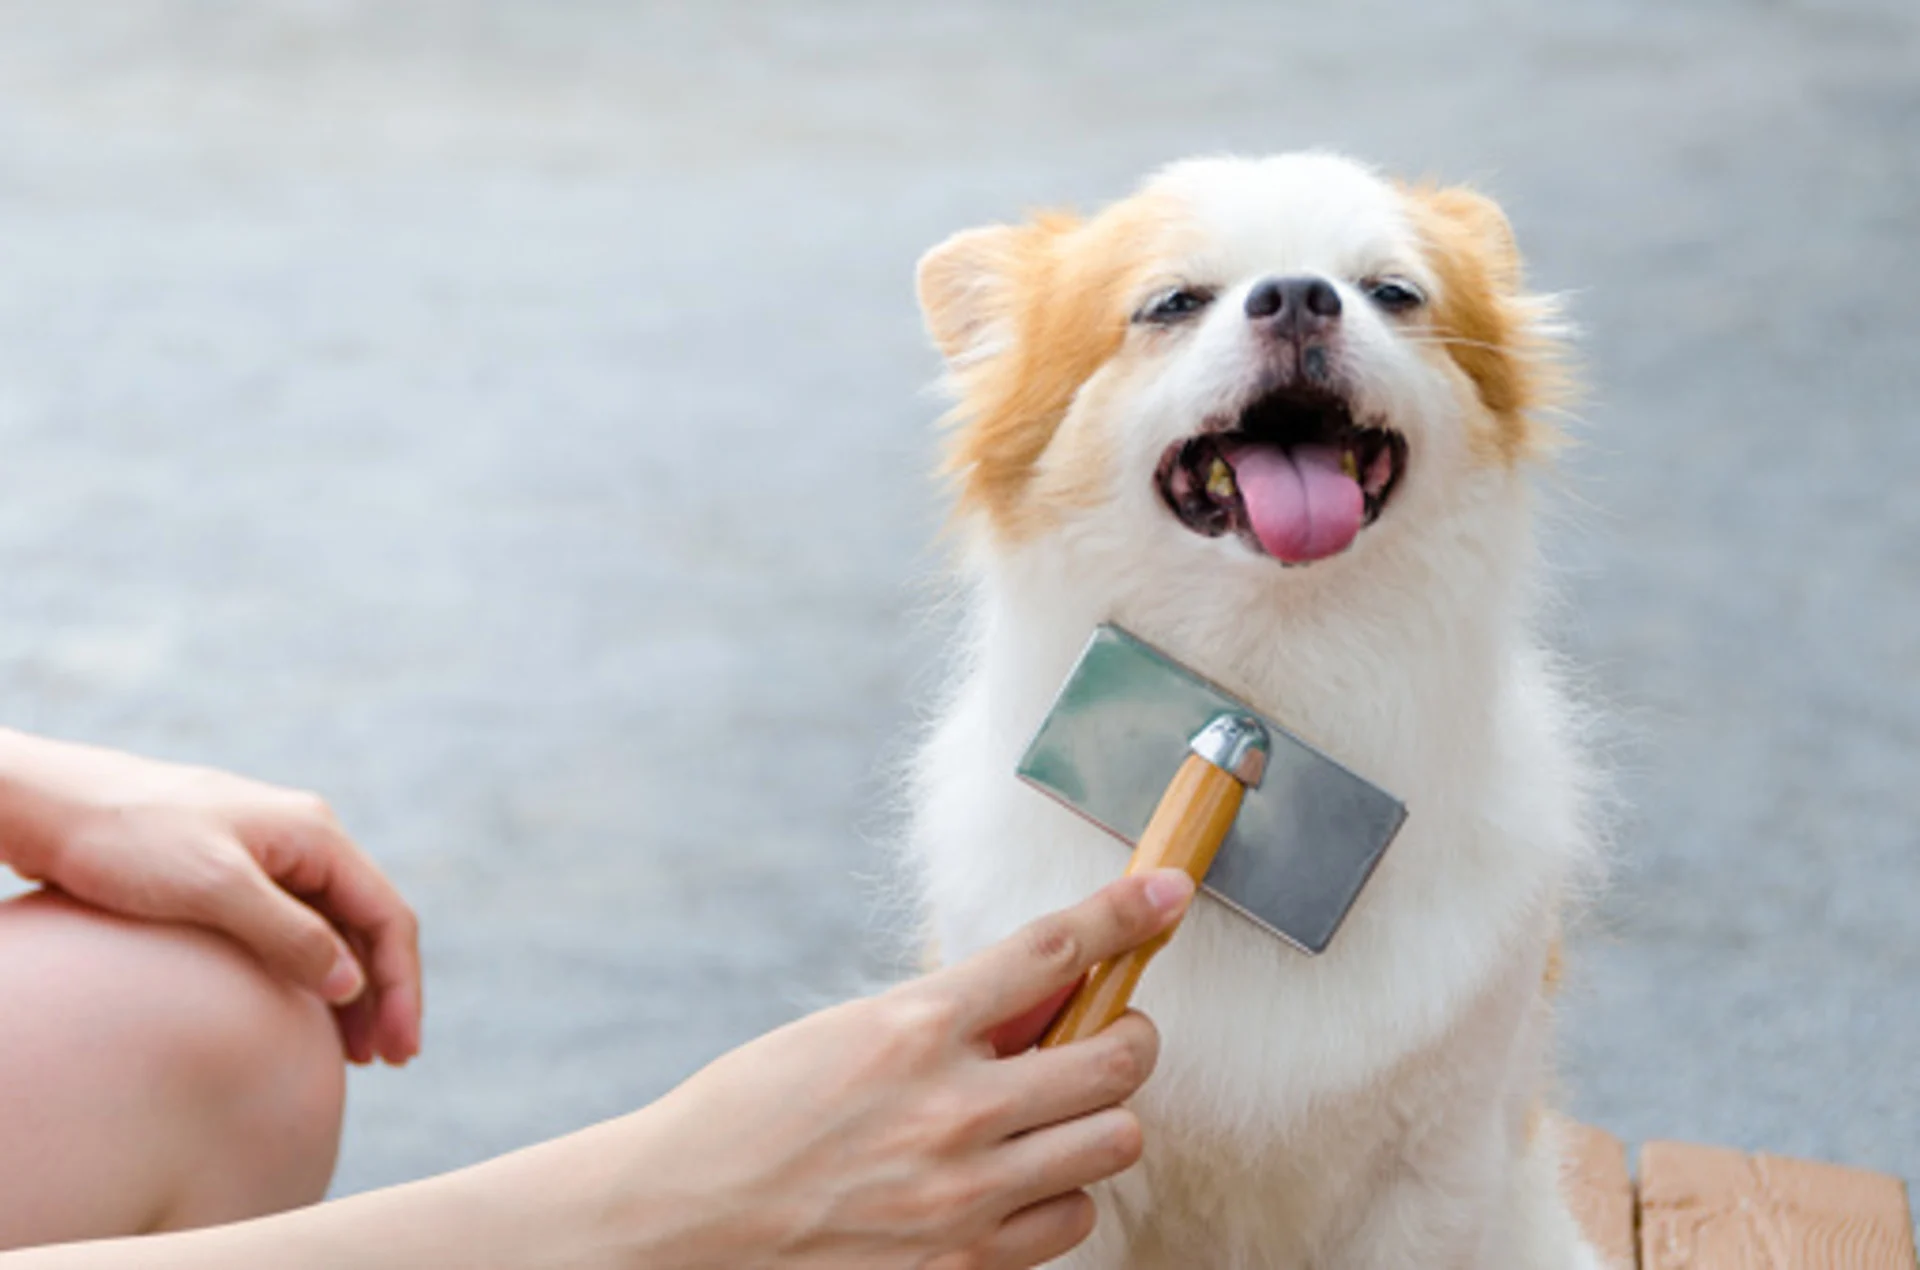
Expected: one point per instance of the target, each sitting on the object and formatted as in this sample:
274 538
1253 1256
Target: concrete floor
509 419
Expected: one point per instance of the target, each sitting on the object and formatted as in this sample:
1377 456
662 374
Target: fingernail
343 983
1168 890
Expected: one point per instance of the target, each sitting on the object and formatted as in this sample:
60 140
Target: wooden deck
1708 1208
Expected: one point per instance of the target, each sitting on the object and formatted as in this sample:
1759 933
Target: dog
1280 418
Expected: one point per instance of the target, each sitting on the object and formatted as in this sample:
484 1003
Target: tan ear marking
1482 318
1487 227
964 286
1025 315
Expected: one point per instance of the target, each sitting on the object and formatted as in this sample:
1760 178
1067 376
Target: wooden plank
1705 1208
1599 1190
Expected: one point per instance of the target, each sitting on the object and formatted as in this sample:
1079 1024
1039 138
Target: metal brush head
1308 835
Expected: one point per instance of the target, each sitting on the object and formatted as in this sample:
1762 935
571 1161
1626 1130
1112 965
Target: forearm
457 1220
880 1131
575 1203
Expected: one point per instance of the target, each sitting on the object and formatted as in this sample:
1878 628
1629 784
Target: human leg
152 1077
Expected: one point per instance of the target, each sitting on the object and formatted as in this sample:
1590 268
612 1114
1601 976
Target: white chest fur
1272 1058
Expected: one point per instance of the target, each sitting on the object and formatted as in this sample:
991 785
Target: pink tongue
1302 504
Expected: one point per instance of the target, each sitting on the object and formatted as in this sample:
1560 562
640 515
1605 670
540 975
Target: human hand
269 867
912 1130
904 1130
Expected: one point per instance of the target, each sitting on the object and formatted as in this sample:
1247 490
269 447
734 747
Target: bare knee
174 1082
262 1064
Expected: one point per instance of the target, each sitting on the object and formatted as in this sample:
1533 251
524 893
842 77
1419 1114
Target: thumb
292 940
1001 983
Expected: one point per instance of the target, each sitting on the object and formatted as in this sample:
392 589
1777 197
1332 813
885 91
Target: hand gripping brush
1195 779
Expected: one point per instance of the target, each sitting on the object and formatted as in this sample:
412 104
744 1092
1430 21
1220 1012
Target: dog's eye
1175 304
1395 295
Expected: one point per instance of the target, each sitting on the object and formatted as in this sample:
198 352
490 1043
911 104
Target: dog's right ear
966 289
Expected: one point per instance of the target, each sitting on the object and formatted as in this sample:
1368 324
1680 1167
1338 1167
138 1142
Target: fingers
355 1021
1046 1087
1024 1030
291 940
319 862
393 960
358 1020
1068 1157
1021 972
1038 1234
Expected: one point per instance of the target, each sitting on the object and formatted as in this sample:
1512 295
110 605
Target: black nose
1294 305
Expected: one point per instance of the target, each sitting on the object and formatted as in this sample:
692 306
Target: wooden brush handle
1186 831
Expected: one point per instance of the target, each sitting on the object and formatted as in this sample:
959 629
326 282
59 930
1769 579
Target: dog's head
1248 363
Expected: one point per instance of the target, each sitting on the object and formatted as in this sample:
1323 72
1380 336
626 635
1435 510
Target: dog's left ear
1505 339
965 286
1465 222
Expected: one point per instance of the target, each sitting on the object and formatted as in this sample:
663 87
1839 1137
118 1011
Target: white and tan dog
1275 416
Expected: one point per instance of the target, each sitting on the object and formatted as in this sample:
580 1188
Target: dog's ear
1466 223
1506 340
966 288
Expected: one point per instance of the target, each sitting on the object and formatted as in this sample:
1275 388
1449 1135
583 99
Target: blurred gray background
510 419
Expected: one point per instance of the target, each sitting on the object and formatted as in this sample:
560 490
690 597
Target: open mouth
1294 475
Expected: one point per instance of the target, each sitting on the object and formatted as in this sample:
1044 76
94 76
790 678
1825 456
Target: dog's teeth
1379 472
1349 465
1220 480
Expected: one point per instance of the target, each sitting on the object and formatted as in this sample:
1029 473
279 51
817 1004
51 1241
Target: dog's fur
1377 1107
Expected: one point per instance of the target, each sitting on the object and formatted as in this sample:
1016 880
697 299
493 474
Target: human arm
909 1129
269 867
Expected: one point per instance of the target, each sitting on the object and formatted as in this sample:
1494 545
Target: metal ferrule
1236 744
